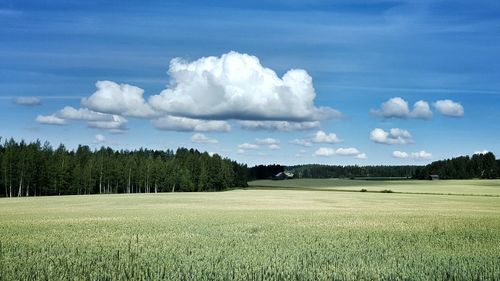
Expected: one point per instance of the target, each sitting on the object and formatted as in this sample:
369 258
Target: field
305 232
448 187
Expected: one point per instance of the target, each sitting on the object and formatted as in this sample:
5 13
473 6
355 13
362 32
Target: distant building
434 177
283 176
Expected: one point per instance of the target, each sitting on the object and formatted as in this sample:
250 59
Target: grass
251 234
459 187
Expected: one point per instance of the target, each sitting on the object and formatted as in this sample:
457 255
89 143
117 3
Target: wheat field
251 234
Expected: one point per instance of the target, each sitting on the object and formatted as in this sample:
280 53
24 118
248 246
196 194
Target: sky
261 82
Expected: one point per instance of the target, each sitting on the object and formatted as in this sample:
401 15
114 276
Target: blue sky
359 55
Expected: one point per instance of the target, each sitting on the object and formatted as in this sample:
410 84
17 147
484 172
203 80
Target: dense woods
264 171
352 171
319 171
481 166
33 169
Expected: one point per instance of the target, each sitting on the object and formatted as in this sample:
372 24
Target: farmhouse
283 176
434 177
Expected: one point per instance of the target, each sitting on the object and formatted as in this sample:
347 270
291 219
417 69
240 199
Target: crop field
454 187
255 234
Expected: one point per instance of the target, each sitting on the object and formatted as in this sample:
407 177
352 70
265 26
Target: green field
454 187
258 234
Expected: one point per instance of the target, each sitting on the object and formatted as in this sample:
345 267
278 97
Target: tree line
36 169
483 166
334 171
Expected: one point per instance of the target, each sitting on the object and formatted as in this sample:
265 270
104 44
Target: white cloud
188 124
271 143
274 146
240 151
349 151
279 125
419 155
361 156
99 138
120 99
301 142
481 151
449 108
400 154
394 136
84 114
116 124
422 110
201 138
397 107
322 137
28 101
324 152
237 86
248 146
268 141
50 120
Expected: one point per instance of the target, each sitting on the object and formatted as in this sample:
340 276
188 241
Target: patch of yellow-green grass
462 187
251 235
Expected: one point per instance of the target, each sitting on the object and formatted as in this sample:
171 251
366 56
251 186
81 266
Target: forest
35 169
478 166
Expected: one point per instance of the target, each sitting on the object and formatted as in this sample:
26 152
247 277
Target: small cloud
240 151
201 138
83 114
449 108
271 143
421 110
361 156
99 138
400 154
117 123
184 124
268 141
248 146
50 120
397 107
324 152
419 155
301 142
349 151
285 126
28 101
120 99
94 119
481 151
274 147
322 137
394 136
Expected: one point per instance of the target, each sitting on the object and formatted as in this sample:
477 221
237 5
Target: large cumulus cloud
205 95
237 86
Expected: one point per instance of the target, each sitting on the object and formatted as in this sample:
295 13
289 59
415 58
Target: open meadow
258 234
453 187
